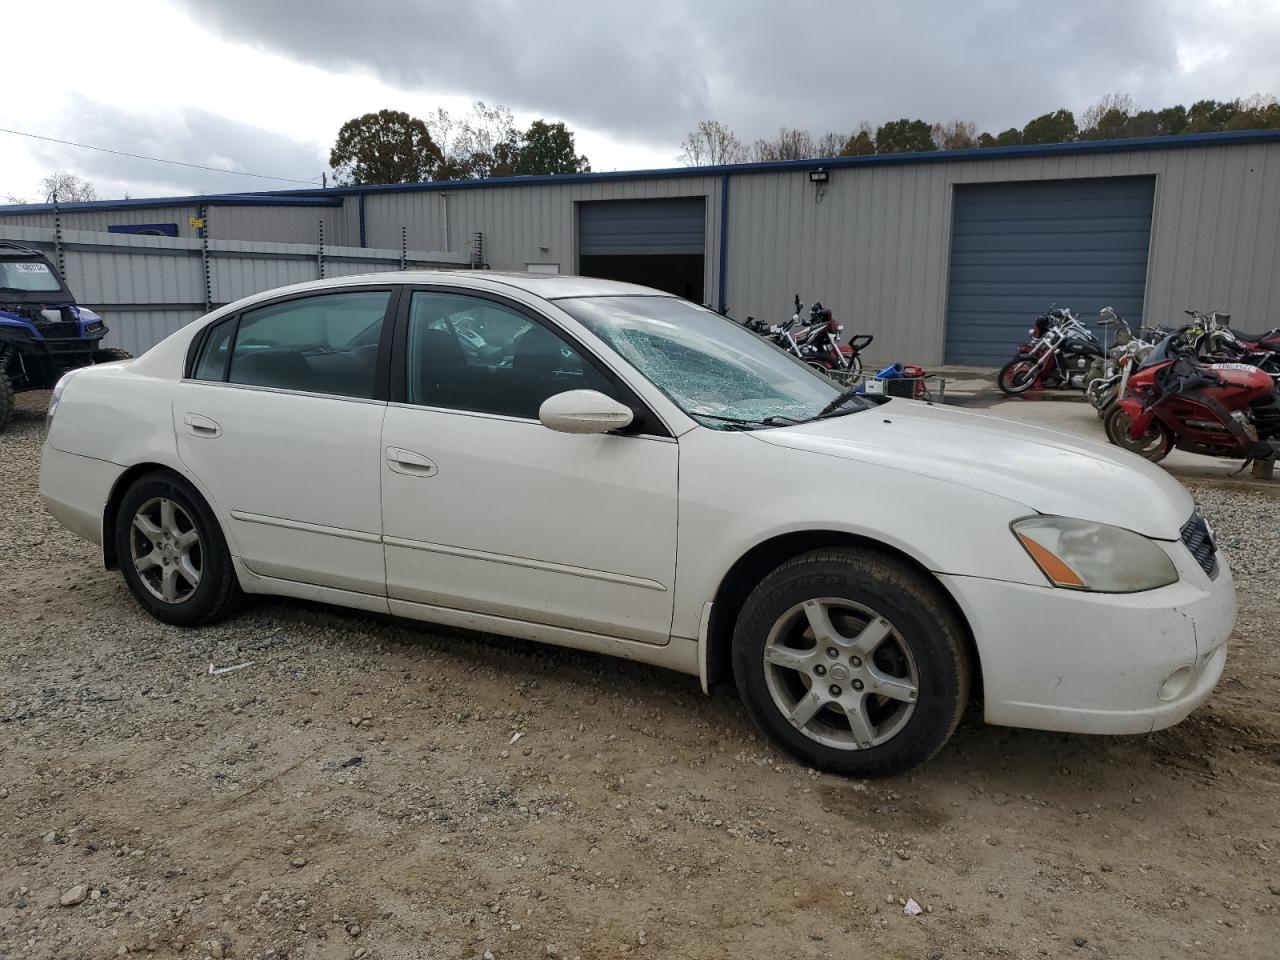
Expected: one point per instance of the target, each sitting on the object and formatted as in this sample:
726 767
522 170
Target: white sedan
606 467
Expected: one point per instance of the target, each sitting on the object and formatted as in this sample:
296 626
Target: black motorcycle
1057 357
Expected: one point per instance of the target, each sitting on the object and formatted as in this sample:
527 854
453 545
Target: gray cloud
193 136
651 71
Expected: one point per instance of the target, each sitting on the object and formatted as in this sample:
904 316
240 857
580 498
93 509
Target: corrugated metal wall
282 224
536 223
148 287
873 243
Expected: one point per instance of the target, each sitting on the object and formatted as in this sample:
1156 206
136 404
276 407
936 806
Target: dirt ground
370 788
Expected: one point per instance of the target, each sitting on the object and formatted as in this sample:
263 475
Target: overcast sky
262 86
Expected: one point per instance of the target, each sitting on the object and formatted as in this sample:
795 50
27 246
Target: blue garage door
668 226
1019 248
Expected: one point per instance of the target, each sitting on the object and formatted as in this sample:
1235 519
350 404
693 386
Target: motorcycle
1057 356
816 341
1104 391
820 346
1175 399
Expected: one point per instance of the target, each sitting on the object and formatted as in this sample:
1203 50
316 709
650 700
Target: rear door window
325 344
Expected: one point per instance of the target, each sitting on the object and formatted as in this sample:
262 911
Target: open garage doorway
655 243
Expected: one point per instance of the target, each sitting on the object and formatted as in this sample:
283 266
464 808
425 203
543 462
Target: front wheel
8 399
172 552
1017 376
1155 444
851 662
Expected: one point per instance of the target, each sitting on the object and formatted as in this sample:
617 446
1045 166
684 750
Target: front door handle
201 427
409 463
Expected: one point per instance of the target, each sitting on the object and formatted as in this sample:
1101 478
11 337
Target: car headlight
55 398
1082 555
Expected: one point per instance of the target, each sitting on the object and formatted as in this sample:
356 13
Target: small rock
298 862
488 955
354 929
553 950
1107 868
75 896
1079 941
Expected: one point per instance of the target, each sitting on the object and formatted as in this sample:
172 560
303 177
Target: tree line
391 146
1113 117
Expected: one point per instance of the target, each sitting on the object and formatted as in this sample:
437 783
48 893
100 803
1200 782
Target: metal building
942 256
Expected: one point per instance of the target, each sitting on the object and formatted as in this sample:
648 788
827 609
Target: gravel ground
374 789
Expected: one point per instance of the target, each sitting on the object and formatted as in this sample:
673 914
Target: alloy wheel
166 551
841 673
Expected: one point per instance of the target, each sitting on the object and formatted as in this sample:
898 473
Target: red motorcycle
1216 409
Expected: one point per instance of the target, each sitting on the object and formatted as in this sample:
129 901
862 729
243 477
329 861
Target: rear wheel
1155 444
851 662
1017 376
110 355
172 552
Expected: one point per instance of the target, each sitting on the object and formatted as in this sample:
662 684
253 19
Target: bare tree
1112 104
789 144
955 135
10 198
710 144
830 144
68 188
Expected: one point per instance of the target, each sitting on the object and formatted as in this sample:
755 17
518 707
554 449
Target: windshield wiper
741 424
837 403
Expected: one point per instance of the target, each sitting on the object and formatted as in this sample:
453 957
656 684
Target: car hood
1049 471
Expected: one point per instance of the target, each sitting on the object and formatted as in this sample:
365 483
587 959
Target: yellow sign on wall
197 223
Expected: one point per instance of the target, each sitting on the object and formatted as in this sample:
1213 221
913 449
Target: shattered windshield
709 366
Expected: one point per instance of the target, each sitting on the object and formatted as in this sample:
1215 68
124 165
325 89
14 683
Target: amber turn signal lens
1058 572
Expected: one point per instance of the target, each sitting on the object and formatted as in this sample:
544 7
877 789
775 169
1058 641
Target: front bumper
1100 663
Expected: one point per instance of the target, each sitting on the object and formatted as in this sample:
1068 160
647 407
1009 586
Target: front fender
1139 419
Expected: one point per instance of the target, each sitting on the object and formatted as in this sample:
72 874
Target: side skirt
681 654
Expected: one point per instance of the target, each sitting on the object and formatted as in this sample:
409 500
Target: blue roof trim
333 195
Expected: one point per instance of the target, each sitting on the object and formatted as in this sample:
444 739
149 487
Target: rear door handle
409 463
201 427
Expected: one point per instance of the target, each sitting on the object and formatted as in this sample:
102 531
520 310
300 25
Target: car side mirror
584 411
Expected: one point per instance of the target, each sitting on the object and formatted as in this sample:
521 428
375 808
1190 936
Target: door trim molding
587 572
303 526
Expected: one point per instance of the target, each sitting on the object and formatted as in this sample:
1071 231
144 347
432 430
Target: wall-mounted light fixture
819 176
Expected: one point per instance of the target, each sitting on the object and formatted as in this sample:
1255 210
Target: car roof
549 286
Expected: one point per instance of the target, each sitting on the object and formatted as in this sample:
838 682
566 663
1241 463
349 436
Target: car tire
1006 381
890 630
111 355
172 552
8 400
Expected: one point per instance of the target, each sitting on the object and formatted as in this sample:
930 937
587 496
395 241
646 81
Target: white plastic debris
912 909
218 671
516 736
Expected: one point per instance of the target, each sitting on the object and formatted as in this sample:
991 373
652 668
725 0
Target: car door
485 510
280 419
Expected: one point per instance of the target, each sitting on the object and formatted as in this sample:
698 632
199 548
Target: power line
138 156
